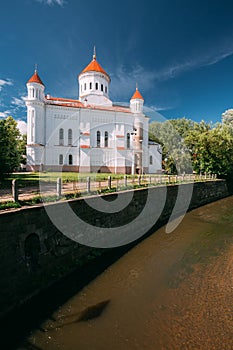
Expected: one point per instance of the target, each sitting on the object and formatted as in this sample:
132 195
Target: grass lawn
28 179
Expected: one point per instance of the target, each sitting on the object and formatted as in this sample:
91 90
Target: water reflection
172 291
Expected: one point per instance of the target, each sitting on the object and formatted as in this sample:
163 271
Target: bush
8 205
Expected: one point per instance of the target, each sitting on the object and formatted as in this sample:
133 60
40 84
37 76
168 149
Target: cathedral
90 134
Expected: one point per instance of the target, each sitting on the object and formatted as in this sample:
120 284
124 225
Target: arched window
106 139
98 138
128 140
151 160
70 159
85 86
106 89
102 87
90 86
61 159
61 137
70 137
96 86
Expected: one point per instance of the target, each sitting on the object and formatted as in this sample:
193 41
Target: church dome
35 78
137 95
94 84
94 66
136 102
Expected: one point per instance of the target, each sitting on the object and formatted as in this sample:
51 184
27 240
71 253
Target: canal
172 291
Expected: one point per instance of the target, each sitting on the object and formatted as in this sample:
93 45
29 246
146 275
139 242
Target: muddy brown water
172 291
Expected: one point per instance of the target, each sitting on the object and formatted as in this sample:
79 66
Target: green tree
212 149
170 134
189 146
22 148
10 146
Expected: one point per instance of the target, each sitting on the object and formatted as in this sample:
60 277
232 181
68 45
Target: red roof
65 102
35 79
137 95
94 66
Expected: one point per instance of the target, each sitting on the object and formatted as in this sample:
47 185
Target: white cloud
22 126
124 81
4 114
53 2
18 102
209 58
5 82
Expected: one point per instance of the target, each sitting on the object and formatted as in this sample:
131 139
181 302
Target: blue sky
180 52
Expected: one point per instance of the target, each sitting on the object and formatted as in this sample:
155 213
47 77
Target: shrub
8 205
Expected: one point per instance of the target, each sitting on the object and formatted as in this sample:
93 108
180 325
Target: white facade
89 134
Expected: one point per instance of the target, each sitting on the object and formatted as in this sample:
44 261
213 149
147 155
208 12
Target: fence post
58 188
88 184
15 192
109 182
125 180
150 179
205 176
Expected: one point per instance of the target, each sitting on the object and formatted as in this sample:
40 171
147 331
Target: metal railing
55 190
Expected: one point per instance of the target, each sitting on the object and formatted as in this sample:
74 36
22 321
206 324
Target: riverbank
172 291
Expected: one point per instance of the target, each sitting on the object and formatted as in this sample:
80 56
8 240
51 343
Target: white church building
90 134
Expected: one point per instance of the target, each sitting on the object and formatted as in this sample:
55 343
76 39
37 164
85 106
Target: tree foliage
171 134
212 150
192 146
11 146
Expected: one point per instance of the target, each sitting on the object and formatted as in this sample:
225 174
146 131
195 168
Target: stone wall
35 254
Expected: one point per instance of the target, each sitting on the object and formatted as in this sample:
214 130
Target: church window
98 138
102 87
106 89
85 86
61 137
61 159
151 160
70 137
90 86
96 86
106 139
128 140
70 159
33 93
